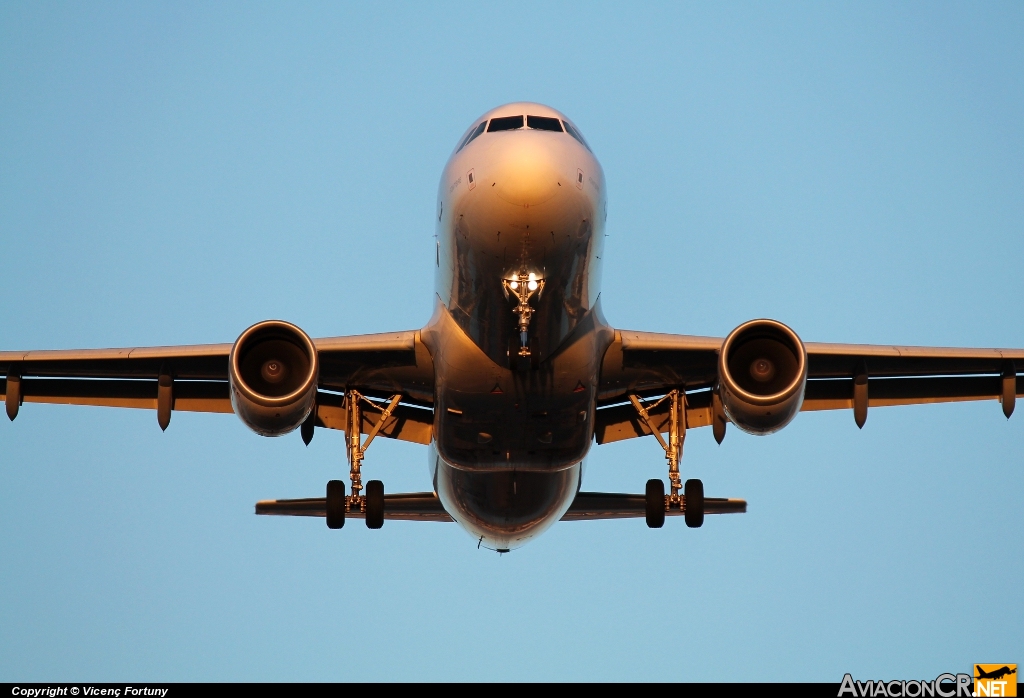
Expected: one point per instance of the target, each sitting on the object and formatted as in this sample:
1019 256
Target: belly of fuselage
504 509
490 417
509 444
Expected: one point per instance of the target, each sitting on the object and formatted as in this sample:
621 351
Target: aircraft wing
379 365
648 364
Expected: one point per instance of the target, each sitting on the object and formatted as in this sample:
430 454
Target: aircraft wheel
335 504
655 503
374 504
693 490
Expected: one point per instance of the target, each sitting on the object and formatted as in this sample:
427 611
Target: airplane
517 373
995 674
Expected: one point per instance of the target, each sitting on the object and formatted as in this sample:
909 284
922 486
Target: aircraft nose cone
526 171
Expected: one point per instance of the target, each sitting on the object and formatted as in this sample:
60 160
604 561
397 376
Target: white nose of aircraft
526 167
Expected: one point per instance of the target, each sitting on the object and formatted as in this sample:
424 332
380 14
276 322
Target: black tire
335 504
655 503
693 490
374 504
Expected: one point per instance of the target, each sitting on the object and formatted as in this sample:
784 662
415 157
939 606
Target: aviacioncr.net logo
943 686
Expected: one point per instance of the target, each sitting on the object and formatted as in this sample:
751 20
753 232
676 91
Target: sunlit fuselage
511 431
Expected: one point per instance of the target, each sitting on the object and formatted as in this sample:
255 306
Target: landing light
523 284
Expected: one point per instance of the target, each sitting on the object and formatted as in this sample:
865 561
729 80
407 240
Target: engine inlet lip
292 331
730 383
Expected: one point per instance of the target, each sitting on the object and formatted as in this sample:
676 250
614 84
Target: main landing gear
370 505
691 503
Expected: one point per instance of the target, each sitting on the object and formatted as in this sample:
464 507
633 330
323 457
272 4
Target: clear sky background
173 172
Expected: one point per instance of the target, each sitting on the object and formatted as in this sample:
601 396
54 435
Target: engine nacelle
273 371
762 373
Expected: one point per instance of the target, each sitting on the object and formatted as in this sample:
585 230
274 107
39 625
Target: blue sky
173 172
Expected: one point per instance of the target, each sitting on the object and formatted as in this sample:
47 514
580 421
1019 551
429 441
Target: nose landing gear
523 285
691 502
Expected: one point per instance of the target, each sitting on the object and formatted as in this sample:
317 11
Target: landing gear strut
692 500
372 504
522 286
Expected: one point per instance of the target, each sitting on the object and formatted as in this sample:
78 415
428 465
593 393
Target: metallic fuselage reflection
514 411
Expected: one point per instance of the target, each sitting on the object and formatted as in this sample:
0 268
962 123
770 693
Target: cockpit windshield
543 123
506 123
571 130
472 134
514 123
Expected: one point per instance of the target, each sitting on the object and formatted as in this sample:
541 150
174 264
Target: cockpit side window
472 135
506 123
571 130
543 123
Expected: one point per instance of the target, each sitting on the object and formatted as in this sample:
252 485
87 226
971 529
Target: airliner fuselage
520 214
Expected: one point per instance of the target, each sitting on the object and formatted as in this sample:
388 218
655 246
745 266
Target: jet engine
273 371
762 373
